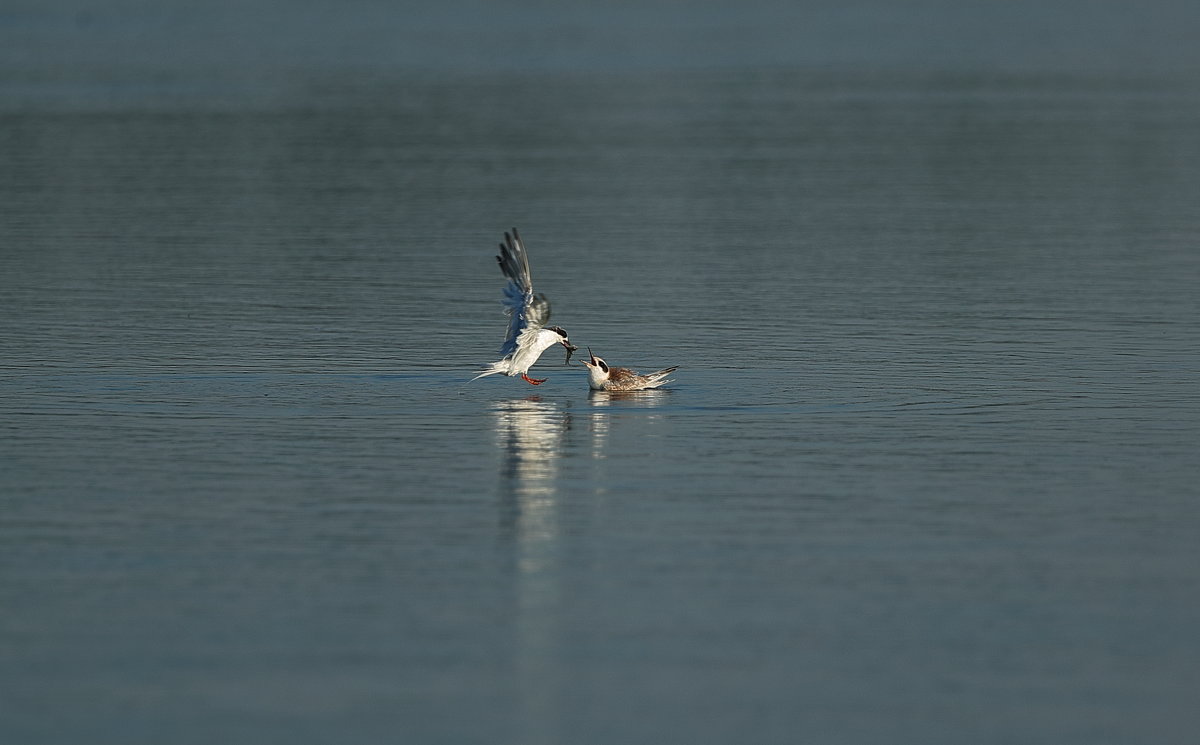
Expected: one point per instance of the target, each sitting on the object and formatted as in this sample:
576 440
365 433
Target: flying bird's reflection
531 434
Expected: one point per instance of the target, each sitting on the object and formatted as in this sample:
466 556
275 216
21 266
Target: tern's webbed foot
533 381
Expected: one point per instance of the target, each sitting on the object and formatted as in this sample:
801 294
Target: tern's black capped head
564 341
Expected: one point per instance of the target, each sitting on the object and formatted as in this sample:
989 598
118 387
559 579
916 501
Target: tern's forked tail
496 368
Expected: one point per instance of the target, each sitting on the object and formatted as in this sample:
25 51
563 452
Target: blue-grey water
928 473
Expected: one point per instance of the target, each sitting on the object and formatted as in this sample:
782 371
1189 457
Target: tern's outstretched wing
524 309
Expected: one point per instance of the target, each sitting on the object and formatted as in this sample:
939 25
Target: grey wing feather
524 308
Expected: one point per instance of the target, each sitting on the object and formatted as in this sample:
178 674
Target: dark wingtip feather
513 262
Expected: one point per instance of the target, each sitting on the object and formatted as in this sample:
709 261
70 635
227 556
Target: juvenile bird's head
597 369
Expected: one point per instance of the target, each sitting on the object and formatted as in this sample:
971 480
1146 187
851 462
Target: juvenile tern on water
528 334
601 377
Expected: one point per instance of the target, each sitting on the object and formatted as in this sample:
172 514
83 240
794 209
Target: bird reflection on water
531 434
634 399
604 402
536 438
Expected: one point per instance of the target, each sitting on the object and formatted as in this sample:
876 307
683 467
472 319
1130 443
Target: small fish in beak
571 349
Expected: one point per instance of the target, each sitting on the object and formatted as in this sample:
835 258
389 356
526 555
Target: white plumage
528 335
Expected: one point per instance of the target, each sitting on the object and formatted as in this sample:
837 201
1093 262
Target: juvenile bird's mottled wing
622 378
525 309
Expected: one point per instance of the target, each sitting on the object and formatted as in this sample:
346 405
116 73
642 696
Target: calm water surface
928 473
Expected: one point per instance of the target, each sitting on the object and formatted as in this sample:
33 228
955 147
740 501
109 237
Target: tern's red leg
533 381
